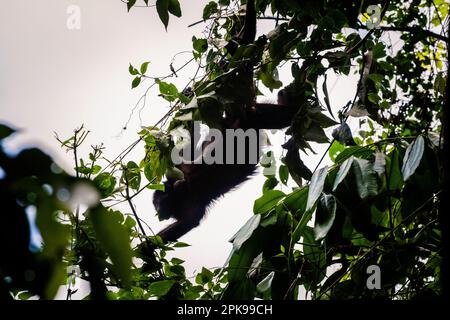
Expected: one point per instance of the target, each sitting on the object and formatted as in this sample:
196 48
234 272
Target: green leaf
335 149
440 83
302 224
114 239
268 200
168 90
240 290
268 74
315 254
356 151
157 186
379 51
181 245
326 96
269 219
412 158
136 82
245 232
376 77
162 6
343 171
144 67
106 183
174 8
148 172
199 45
393 171
366 178
325 215
160 288
133 71
5 131
132 175
130 4
284 174
25 295
296 201
129 222
270 183
379 165
96 169
240 260
176 261
316 186
373 97
209 9
204 277
266 283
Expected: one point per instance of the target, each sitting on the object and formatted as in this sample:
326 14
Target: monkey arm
270 116
187 200
180 227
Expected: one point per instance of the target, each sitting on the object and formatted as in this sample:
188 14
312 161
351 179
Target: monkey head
167 203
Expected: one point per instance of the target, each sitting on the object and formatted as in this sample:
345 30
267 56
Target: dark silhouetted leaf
5 131
344 135
325 215
115 241
162 6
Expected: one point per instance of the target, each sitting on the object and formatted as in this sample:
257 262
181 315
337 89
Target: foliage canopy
377 204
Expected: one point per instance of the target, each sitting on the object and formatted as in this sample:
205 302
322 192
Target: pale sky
55 79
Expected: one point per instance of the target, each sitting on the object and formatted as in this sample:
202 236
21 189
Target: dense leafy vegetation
377 204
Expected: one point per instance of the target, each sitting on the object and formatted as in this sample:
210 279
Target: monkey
187 199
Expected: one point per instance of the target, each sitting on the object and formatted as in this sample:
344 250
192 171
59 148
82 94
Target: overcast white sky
55 79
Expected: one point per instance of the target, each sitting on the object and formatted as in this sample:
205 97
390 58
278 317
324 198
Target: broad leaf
343 134
132 175
265 283
130 4
106 183
245 232
343 171
268 200
5 131
114 239
395 176
160 288
325 215
284 174
144 67
412 158
380 163
162 6
174 8
316 186
366 178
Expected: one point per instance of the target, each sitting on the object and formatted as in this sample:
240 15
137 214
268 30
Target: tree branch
413 30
